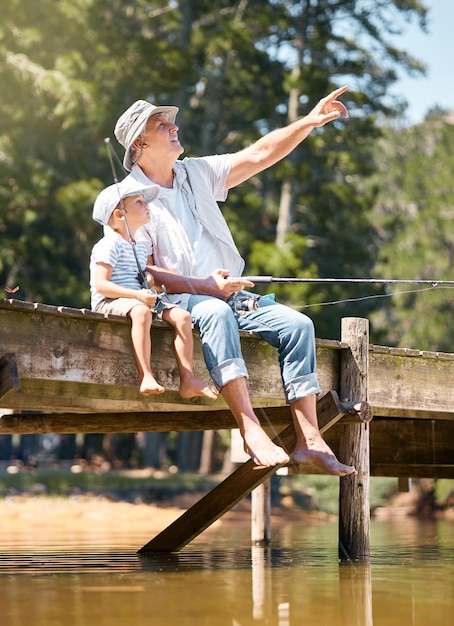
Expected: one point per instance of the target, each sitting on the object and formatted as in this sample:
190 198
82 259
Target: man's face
161 137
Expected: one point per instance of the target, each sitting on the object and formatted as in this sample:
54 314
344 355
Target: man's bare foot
191 387
262 450
149 386
321 456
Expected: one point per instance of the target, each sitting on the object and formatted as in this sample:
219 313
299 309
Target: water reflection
220 580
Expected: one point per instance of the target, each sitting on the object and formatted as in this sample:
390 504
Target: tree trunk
286 204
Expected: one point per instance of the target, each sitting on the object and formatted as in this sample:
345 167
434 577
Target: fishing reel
242 302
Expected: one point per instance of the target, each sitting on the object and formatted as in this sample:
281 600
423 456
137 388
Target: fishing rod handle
259 279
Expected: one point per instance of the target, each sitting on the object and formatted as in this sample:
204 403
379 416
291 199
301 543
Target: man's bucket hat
132 123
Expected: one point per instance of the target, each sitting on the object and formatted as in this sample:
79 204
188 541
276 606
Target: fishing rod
141 276
367 281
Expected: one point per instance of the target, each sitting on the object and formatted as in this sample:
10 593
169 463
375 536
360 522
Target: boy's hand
147 297
152 283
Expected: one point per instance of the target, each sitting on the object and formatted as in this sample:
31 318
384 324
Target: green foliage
119 485
414 214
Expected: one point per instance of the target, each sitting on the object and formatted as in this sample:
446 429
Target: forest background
363 197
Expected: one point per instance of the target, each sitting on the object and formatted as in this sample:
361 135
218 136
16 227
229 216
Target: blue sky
436 50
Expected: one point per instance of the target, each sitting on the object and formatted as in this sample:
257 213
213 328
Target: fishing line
371 297
434 284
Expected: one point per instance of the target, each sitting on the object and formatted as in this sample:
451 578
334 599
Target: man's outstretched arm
278 144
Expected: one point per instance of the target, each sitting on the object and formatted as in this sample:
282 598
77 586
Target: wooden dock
73 371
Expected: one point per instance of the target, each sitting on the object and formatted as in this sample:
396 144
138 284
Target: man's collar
178 169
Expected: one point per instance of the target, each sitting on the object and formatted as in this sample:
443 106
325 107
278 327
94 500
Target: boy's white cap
132 124
110 197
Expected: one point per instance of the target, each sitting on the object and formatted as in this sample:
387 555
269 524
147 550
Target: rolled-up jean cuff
228 371
301 387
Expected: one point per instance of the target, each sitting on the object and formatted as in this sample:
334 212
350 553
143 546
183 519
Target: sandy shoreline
81 512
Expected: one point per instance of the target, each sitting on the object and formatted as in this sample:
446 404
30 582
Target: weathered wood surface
215 503
354 505
79 361
9 376
410 383
329 409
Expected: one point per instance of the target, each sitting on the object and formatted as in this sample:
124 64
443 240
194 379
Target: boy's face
137 212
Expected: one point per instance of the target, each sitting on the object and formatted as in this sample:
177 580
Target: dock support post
354 507
261 514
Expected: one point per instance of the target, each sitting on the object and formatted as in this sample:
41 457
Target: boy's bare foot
192 387
149 386
262 450
321 456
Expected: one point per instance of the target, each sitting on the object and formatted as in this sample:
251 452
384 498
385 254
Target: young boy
116 288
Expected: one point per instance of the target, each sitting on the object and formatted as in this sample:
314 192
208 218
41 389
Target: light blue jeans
291 332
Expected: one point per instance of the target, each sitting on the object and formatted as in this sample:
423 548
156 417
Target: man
194 253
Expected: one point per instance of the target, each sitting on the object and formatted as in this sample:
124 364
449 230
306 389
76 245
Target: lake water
220 580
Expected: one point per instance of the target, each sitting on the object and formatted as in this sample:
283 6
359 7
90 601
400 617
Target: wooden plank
214 504
412 413
412 442
71 359
411 385
329 411
66 423
77 360
418 470
81 363
9 377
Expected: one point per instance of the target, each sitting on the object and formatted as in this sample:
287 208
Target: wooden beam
239 484
214 504
403 484
329 410
354 447
9 377
66 423
417 470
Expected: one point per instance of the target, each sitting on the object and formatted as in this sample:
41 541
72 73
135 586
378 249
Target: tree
314 215
69 69
414 213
